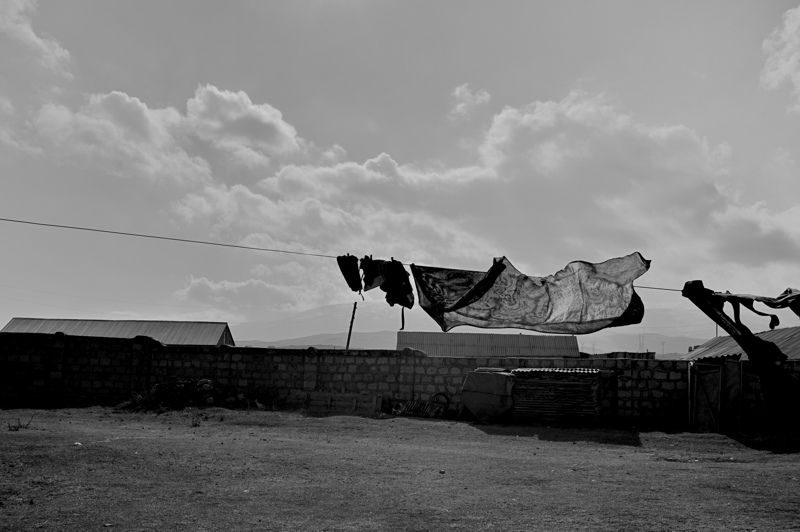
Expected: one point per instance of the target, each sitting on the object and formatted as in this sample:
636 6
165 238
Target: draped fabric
788 298
582 298
391 277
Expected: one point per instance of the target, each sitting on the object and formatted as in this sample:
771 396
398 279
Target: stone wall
58 369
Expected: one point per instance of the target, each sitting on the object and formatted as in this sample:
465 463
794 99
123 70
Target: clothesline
219 244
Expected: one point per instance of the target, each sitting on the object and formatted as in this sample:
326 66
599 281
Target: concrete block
675 376
660 375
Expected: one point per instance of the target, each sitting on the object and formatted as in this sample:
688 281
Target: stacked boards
533 394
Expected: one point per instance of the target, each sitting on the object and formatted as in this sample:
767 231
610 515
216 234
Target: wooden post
350 330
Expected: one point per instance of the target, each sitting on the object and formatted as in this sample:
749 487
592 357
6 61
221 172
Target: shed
439 344
166 332
787 339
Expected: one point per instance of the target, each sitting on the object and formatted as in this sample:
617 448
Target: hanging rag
580 299
374 272
391 277
397 285
788 298
348 265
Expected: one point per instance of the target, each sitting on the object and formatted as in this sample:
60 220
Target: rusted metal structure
781 390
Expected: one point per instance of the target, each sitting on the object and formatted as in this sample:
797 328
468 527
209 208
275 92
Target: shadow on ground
773 443
564 433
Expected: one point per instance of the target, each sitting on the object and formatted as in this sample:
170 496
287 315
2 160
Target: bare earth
99 469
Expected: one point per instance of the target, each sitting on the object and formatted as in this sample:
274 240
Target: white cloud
6 107
222 133
560 180
250 133
465 101
783 55
250 294
15 23
124 135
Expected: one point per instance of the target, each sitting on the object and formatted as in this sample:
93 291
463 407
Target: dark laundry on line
348 265
789 298
582 298
391 277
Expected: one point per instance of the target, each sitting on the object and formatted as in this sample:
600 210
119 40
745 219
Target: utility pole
350 330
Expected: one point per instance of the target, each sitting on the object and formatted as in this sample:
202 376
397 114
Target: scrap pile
176 393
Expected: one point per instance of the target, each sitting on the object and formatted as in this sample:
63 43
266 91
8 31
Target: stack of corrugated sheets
556 394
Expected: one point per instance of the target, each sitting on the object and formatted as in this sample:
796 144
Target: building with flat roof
439 344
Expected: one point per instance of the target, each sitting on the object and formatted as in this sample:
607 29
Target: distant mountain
658 343
634 343
370 340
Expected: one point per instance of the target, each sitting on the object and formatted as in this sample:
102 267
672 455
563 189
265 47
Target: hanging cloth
348 265
580 299
374 272
788 298
397 285
391 277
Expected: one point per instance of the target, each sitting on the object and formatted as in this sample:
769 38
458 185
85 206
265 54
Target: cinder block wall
753 409
56 369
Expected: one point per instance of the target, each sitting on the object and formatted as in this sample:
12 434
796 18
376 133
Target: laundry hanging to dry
388 275
582 298
789 298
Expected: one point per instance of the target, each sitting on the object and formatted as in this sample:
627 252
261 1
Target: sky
438 133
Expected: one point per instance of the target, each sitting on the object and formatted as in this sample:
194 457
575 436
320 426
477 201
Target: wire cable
208 243
172 239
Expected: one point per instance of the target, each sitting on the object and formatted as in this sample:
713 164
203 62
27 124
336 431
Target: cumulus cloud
222 133
250 294
783 55
465 101
558 181
6 107
15 25
250 133
125 135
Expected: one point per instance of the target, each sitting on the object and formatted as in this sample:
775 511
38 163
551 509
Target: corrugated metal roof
787 339
440 344
166 332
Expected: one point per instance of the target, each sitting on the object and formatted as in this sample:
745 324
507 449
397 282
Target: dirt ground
216 469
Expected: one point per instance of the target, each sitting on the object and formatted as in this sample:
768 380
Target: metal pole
350 330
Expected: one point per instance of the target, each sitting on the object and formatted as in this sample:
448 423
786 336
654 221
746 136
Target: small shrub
19 425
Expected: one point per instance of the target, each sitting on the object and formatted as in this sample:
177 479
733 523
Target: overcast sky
442 133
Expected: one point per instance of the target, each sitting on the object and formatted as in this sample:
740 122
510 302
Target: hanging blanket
582 298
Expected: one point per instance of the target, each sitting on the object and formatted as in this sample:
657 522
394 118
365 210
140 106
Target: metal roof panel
166 332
